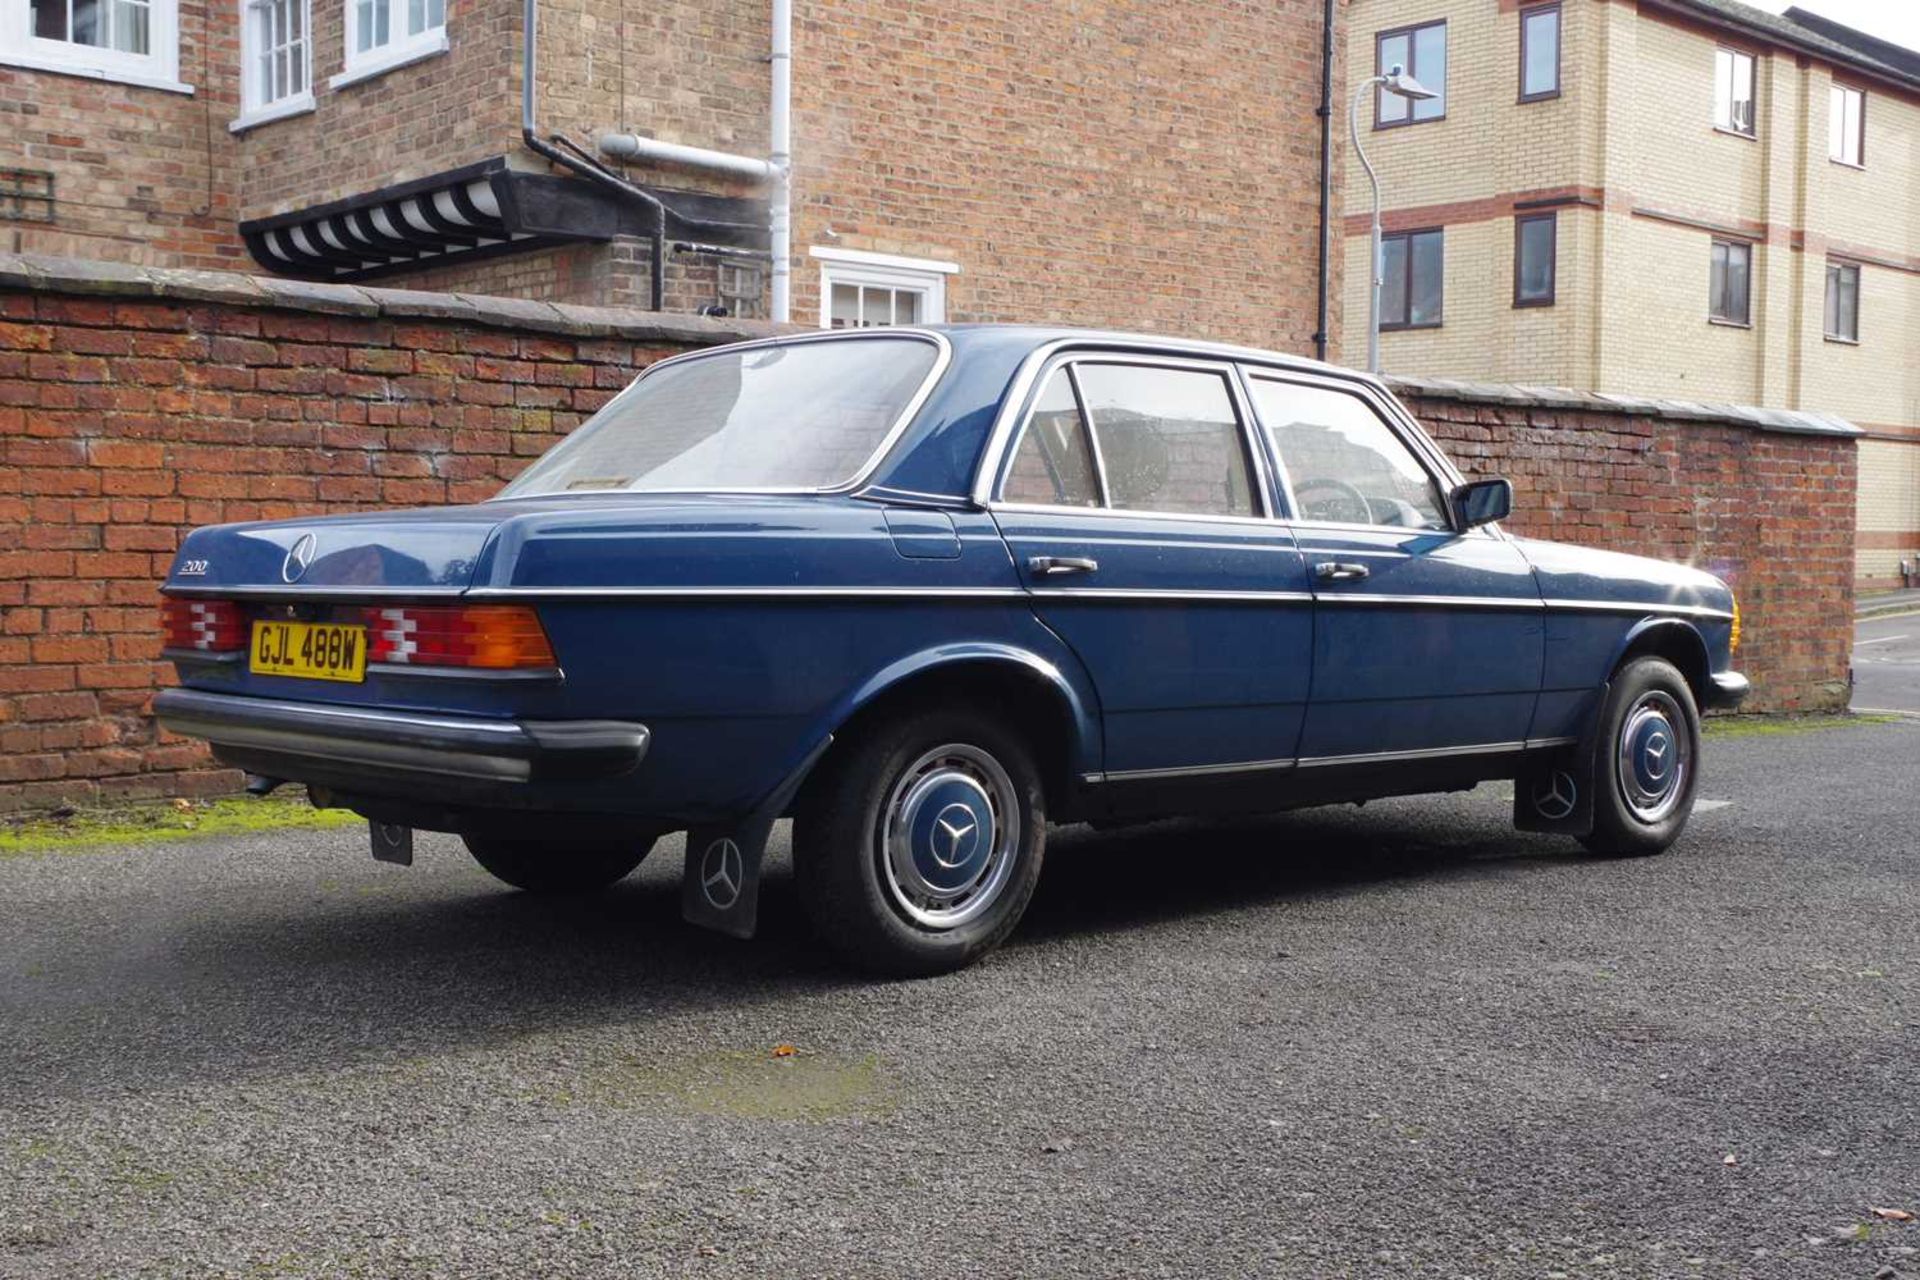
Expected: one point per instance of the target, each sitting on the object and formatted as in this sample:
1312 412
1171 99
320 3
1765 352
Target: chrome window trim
1399 423
1044 508
1637 606
1258 486
1013 404
943 359
1173 594
1457 602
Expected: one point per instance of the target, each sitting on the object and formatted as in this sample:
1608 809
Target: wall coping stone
1802 422
42 273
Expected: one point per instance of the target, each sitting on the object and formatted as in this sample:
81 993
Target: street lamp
1394 81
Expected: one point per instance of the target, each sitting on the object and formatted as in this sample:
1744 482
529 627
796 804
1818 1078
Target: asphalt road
1886 663
1396 1041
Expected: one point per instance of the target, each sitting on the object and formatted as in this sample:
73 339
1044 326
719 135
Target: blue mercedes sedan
927 591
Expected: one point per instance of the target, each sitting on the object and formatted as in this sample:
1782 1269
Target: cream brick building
1671 147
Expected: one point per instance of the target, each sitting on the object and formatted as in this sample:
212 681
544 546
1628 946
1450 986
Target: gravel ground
1396 1041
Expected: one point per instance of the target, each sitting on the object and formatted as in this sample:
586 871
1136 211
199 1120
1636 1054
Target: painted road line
1877 640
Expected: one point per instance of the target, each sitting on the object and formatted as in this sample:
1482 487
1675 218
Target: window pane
1394 51
805 415
1717 282
436 14
416 17
1541 37
1837 123
1833 301
88 23
1345 464
1393 287
1430 69
1736 282
906 307
50 19
1169 439
845 312
1848 300
1425 287
1723 88
1536 260
1054 462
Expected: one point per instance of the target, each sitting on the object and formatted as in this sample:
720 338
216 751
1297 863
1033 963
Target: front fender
1643 636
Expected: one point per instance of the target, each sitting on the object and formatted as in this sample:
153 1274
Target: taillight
494 637
210 626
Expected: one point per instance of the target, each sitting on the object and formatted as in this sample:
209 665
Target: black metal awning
476 211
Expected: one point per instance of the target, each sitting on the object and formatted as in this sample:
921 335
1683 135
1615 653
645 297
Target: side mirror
1481 502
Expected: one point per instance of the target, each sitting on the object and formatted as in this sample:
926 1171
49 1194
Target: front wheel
555 867
1646 762
917 850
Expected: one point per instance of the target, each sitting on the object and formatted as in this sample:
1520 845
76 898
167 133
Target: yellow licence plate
308 651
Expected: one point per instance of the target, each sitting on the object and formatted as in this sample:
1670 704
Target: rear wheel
917 850
542 866
1646 761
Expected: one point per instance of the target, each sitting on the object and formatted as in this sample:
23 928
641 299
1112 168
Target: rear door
1426 639
1138 515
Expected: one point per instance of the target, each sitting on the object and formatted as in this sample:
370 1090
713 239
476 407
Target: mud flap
391 843
1555 793
720 888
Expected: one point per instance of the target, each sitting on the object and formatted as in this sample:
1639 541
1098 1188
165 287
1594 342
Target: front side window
1422 53
1167 439
1733 91
1535 247
1846 121
1843 302
1729 281
1540 53
807 415
1053 465
1412 279
1344 464
134 41
277 68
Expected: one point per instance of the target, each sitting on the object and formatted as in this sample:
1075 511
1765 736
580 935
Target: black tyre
556 867
1646 761
917 850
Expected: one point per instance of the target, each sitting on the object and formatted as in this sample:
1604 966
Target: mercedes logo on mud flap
1555 795
298 558
721 872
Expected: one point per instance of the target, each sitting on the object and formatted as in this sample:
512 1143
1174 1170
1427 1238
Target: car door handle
1054 566
1340 571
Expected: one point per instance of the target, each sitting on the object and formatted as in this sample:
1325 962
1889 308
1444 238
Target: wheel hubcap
1655 757
949 834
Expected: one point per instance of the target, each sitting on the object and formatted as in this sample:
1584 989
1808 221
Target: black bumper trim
1727 689
368 737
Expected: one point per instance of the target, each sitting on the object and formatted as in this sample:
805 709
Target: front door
1137 515
1427 640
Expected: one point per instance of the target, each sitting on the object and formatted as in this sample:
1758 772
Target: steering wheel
1347 505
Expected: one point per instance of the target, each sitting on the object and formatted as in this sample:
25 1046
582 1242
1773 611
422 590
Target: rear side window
1344 464
1168 439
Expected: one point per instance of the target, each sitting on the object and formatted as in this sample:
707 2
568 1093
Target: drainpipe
1325 112
588 169
776 170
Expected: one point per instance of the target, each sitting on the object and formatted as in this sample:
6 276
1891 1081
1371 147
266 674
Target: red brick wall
127 418
1771 513
127 415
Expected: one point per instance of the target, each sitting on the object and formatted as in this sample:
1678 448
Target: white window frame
159 68
924 276
1838 96
253 109
1726 74
401 49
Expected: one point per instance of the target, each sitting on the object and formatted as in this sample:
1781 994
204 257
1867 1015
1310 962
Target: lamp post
1394 81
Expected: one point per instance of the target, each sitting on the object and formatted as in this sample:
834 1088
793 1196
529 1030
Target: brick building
1681 198
1149 165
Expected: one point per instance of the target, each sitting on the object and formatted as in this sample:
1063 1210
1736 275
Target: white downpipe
780 238
776 170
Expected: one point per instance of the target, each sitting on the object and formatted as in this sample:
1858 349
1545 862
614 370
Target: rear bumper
1726 689
366 739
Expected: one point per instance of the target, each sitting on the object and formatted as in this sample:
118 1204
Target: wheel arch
1044 702
1675 640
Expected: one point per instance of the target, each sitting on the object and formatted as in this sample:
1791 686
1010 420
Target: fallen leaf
1892 1215
183 804
784 1051
1731 1159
